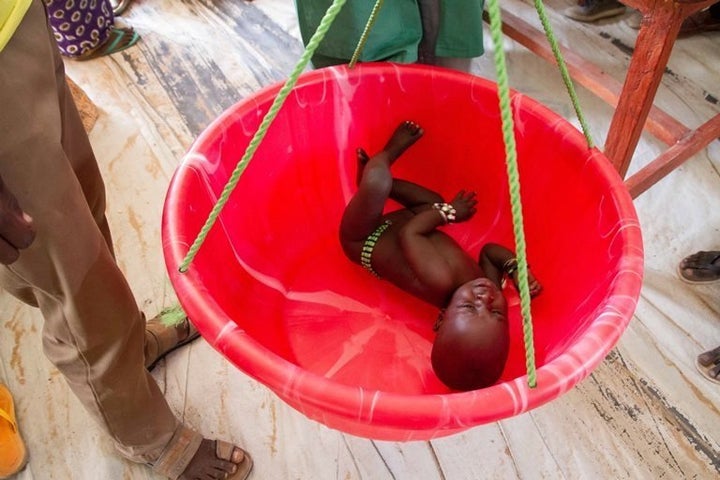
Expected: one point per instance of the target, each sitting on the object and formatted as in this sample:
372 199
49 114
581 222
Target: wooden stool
633 101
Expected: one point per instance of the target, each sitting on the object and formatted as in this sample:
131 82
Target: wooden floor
645 413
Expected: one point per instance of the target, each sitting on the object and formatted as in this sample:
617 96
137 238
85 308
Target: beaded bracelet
446 211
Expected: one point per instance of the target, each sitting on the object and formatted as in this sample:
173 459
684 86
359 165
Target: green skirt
396 33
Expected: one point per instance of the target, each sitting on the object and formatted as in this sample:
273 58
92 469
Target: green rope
282 95
563 70
366 33
514 185
172 316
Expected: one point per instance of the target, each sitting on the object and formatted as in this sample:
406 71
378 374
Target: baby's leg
413 196
408 194
364 212
406 134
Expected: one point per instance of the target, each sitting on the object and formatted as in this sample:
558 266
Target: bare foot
219 460
406 134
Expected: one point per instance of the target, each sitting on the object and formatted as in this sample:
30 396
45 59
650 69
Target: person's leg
93 330
375 183
430 18
455 63
460 34
91 318
408 194
86 29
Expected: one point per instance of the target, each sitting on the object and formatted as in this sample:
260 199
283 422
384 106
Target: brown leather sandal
224 451
161 339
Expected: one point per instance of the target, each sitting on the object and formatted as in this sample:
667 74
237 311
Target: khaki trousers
93 332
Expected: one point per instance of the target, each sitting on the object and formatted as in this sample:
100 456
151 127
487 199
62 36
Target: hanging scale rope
507 129
282 95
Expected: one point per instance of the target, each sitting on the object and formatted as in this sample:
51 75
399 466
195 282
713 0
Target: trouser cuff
182 447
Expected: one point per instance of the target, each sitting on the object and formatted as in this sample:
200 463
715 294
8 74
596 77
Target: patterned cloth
80 26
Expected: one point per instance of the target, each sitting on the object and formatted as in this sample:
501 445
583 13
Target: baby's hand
464 204
533 285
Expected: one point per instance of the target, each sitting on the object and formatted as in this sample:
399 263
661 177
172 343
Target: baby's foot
405 135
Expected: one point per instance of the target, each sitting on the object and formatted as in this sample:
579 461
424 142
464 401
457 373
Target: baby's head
472 340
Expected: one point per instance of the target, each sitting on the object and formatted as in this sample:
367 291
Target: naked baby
407 248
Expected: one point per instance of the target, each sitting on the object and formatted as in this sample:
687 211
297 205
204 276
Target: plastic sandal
13 455
119 40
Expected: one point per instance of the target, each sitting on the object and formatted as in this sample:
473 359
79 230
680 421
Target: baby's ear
439 320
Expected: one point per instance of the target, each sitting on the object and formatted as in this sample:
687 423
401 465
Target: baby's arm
496 261
423 257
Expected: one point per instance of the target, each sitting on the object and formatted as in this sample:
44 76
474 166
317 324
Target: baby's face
477 300
472 342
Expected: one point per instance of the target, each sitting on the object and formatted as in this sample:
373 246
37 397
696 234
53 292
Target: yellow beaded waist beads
369 246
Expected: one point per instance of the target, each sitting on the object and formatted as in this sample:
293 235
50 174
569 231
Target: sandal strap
6 416
119 35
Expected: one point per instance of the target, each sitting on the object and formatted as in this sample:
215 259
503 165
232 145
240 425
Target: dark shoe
699 22
592 10
700 268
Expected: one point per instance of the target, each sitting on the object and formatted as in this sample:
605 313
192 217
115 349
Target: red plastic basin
271 290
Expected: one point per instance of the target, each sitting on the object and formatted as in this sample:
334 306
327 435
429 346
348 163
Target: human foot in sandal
700 267
119 40
161 339
218 459
709 364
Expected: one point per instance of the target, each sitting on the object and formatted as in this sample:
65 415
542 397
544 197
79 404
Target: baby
406 248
